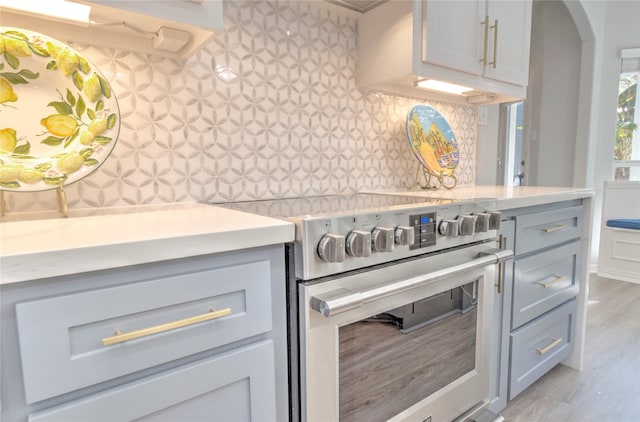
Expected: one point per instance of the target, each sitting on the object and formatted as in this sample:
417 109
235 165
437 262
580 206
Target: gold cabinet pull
554 342
485 22
555 228
495 44
556 279
120 337
502 240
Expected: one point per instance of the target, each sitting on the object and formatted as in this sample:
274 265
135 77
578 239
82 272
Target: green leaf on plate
104 85
99 105
28 74
86 152
90 162
70 98
77 80
12 60
55 181
81 107
102 140
39 50
61 107
71 138
17 34
52 141
43 166
83 64
14 78
91 114
52 65
22 149
10 185
111 120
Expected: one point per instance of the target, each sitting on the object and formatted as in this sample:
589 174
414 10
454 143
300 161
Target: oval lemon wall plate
59 118
432 141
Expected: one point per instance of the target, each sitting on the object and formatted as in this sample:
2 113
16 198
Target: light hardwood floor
608 387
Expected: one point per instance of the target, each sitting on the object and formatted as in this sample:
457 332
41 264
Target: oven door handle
341 300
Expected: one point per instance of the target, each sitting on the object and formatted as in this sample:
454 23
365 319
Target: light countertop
91 240
508 197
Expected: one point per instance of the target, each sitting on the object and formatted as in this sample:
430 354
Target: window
511 165
626 158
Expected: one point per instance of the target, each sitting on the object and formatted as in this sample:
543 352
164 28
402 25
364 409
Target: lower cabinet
534 326
193 339
230 387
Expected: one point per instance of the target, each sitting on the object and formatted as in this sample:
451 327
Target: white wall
550 110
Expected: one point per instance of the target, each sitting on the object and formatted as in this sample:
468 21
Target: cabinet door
508 53
452 34
237 386
205 14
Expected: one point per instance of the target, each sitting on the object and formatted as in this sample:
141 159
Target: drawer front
539 346
170 315
544 229
237 386
544 281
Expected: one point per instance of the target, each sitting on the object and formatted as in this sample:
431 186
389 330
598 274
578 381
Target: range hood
360 6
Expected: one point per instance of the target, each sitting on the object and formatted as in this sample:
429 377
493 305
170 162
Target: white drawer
237 386
539 346
543 281
548 228
61 337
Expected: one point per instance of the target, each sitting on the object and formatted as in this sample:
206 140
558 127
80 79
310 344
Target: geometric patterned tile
292 121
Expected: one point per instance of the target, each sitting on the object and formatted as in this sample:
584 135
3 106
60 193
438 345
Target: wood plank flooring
608 387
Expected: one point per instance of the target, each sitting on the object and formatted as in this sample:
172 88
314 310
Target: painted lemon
53 48
8 140
60 124
92 88
86 137
97 126
67 61
17 48
70 162
30 176
2 44
10 172
6 92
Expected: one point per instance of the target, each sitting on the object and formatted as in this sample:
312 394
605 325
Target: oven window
391 361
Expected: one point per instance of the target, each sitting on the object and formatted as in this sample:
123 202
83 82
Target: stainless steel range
391 302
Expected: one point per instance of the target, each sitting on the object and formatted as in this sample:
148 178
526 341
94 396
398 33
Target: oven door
407 341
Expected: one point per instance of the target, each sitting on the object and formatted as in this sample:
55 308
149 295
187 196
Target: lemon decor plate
432 141
59 117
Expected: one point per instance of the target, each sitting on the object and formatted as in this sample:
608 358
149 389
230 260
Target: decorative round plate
59 118
432 141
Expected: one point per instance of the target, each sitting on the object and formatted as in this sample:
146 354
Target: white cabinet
187 339
488 38
170 28
483 45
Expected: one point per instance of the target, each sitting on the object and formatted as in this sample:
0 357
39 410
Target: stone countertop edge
37 249
507 197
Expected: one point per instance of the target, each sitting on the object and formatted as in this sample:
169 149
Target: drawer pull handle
555 342
555 228
554 280
120 337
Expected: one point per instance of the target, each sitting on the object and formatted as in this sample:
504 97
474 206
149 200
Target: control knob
467 225
494 220
482 223
358 243
331 248
449 228
405 235
382 239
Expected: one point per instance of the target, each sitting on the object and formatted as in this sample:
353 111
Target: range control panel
424 230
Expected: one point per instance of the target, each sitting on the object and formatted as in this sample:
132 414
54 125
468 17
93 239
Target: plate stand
60 194
423 180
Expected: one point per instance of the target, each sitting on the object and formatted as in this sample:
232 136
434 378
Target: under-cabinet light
58 10
435 85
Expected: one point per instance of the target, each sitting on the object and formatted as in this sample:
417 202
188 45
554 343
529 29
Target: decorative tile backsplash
269 108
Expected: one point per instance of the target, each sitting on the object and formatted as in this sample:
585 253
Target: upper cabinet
170 28
483 45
